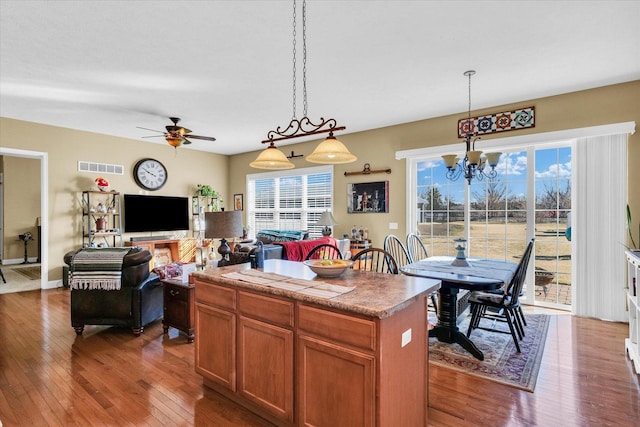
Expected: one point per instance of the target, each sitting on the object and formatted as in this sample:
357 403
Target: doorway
42 157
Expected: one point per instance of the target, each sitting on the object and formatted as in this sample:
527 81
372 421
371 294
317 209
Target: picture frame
238 202
368 197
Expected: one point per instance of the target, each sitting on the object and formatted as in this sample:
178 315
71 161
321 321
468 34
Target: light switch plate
393 226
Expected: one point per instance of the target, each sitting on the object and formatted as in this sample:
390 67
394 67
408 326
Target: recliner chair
137 303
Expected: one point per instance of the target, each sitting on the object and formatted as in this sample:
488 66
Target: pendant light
331 150
474 162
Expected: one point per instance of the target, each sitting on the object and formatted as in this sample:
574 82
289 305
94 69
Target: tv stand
171 250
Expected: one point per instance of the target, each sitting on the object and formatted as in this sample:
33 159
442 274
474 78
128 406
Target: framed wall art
238 203
368 197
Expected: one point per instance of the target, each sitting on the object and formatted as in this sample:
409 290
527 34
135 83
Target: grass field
507 241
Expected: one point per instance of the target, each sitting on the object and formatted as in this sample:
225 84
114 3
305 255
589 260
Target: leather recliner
138 302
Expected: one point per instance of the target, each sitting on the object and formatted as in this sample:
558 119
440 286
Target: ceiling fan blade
206 138
185 141
152 136
152 130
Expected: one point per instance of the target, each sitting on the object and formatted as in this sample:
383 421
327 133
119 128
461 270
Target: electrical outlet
406 337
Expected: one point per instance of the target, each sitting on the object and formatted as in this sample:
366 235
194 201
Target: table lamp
220 225
328 221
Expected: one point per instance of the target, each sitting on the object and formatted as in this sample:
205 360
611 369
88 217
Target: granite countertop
375 294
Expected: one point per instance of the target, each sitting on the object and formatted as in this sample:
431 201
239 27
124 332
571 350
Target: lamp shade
220 225
272 158
326 219
331 151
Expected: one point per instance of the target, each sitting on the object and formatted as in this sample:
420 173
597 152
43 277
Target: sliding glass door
531 196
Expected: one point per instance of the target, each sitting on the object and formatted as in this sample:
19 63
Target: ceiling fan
176 135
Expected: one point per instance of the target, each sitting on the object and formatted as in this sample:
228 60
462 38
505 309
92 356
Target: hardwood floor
108 377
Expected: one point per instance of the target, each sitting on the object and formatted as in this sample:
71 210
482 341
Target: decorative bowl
328 267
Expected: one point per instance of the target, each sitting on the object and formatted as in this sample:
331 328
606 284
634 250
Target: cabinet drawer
176 293
215 295
267 309
337 327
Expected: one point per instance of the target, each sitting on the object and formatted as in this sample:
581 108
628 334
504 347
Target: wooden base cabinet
350 369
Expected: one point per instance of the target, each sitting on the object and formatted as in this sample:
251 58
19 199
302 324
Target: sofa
138 302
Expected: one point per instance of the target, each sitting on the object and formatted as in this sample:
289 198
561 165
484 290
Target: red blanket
298 250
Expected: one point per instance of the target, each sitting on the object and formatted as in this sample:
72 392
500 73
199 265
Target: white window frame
314 231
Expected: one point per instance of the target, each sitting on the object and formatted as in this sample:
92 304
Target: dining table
480 274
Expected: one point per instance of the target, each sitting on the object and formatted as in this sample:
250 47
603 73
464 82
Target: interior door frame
44 206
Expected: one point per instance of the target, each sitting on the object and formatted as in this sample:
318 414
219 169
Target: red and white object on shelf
102 183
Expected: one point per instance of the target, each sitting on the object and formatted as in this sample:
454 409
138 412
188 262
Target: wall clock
150 174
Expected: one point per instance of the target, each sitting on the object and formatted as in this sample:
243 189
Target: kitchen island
302 350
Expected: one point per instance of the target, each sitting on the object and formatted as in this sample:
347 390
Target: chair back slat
324 251
514 289
375 259
395 247
416 248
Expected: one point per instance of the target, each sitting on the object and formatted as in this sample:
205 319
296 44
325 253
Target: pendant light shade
331 151
272 158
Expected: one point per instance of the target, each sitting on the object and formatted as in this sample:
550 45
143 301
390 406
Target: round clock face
150 174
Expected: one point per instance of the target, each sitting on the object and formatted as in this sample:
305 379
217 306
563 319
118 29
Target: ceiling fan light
174 141
272 158
331 151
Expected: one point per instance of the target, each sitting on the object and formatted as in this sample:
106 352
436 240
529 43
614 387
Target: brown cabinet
179 300
298 363
170 250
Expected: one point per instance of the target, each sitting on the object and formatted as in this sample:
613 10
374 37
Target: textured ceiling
225 67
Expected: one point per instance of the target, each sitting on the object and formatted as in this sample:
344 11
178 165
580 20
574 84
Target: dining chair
504 307
324 251
395 247
417 250
375 259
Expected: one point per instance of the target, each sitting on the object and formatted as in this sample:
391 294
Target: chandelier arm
303 127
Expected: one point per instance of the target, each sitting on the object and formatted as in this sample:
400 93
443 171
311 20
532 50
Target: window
289 200
531 192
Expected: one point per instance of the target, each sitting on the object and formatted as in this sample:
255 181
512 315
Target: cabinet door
265 366
321 366
216 345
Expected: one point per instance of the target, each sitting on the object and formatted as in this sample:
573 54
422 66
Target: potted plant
203 190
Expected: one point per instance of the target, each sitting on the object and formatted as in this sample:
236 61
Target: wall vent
100 168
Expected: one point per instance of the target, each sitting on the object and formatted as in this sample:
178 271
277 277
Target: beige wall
606 105
65 147
21 206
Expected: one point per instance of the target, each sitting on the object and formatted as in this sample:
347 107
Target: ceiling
225 67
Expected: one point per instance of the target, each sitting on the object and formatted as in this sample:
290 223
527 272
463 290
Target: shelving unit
101 228
632 344
200 205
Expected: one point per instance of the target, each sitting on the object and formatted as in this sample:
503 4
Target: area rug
32 273
502 363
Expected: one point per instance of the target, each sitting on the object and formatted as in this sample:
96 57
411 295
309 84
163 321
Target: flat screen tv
155 213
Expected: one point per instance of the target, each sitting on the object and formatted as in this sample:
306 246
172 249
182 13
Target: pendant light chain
294 59
304 57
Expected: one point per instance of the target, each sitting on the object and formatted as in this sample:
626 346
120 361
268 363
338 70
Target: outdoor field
507 241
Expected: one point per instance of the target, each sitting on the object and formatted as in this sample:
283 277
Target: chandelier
474 163
331 150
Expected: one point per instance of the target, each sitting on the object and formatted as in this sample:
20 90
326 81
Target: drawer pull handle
173 292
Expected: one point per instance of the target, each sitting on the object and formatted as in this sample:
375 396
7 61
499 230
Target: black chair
138 302
418 251
324 251
375 259
505 307
2 275
395 247
416 248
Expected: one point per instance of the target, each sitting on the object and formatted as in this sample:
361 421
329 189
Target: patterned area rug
502 363
32 273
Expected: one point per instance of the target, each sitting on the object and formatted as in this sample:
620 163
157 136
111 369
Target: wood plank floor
108 377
